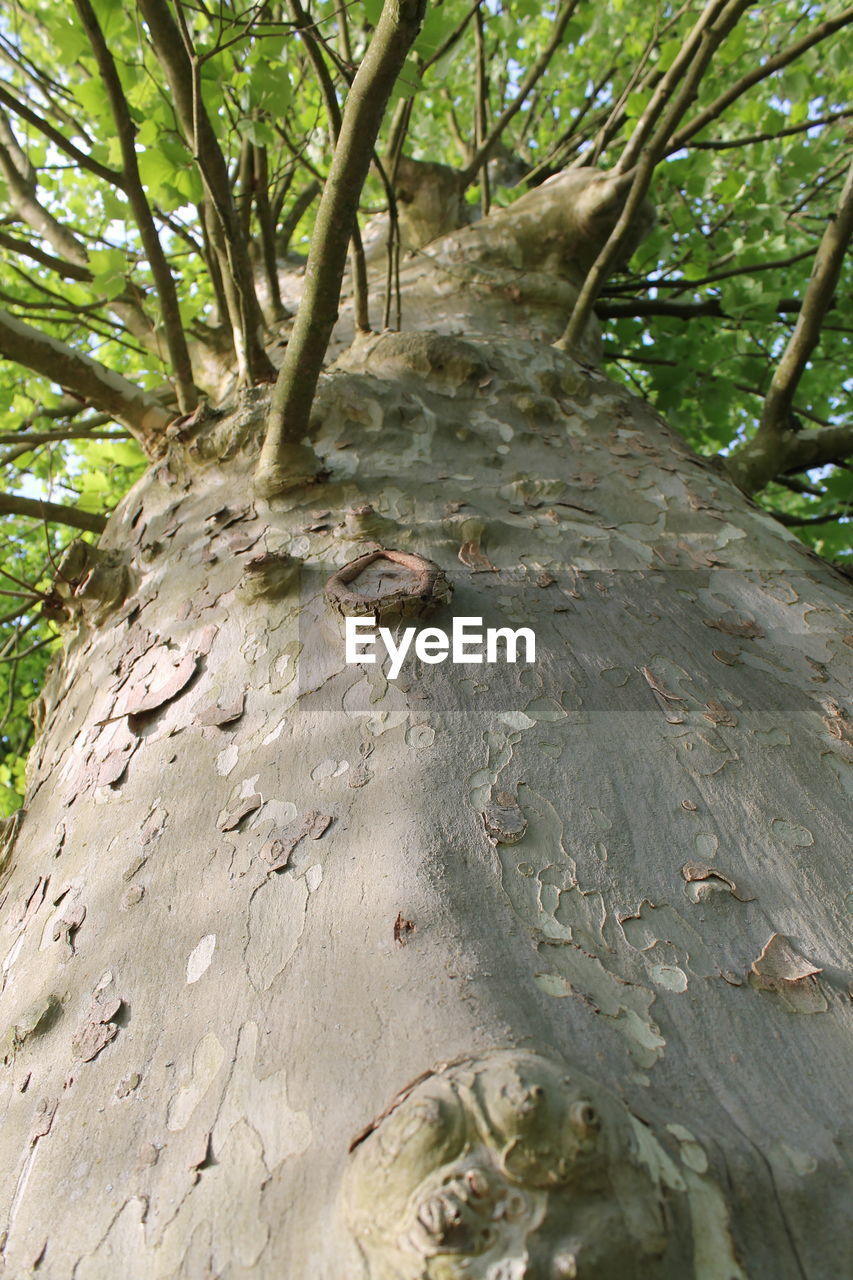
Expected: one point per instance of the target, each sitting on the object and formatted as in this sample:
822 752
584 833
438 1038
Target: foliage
698 324
94 474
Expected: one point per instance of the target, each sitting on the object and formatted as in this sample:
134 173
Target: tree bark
583 912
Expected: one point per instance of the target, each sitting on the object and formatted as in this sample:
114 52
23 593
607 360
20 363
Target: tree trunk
589 905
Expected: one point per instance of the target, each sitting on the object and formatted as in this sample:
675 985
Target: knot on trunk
508 1164
90 582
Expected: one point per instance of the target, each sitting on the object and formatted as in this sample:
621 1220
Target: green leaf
438 25
636 104
409 80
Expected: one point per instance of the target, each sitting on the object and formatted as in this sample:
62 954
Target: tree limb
261 191
126 130
283 461
358 265
816 303
654 129
14 613
634 308
143 415
748 269
295 213
67 270
746 140
828 517
23 200
682 67
764 459
481 108
25 653
448 43
11 504
173 49
639 79
800 486
775 448
111 176
32 441
534 74
720 104
23 443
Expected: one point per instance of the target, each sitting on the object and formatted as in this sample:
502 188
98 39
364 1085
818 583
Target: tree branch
450 40
284 462
175 340
111 176
23 443
36 438
25 653
534 74
640 79
358 266
570 139
635 308
51 512
294 215
799 486
67 270
22 197
481 109
720 104
144 417
23 200
647 145
683 67
748 269
817 301
759 461
181 66
746 140
828 517
775 447
261 187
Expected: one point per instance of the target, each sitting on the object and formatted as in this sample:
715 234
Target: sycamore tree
492 963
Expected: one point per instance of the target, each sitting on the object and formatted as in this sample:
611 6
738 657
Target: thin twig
534 74
828 517
767 68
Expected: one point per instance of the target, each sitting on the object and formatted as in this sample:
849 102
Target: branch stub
385 582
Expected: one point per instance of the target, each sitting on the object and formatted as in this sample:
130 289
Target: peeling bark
615 1040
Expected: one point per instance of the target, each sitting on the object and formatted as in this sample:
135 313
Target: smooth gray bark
606 891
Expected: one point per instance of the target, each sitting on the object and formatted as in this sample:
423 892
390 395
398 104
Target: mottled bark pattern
230 833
